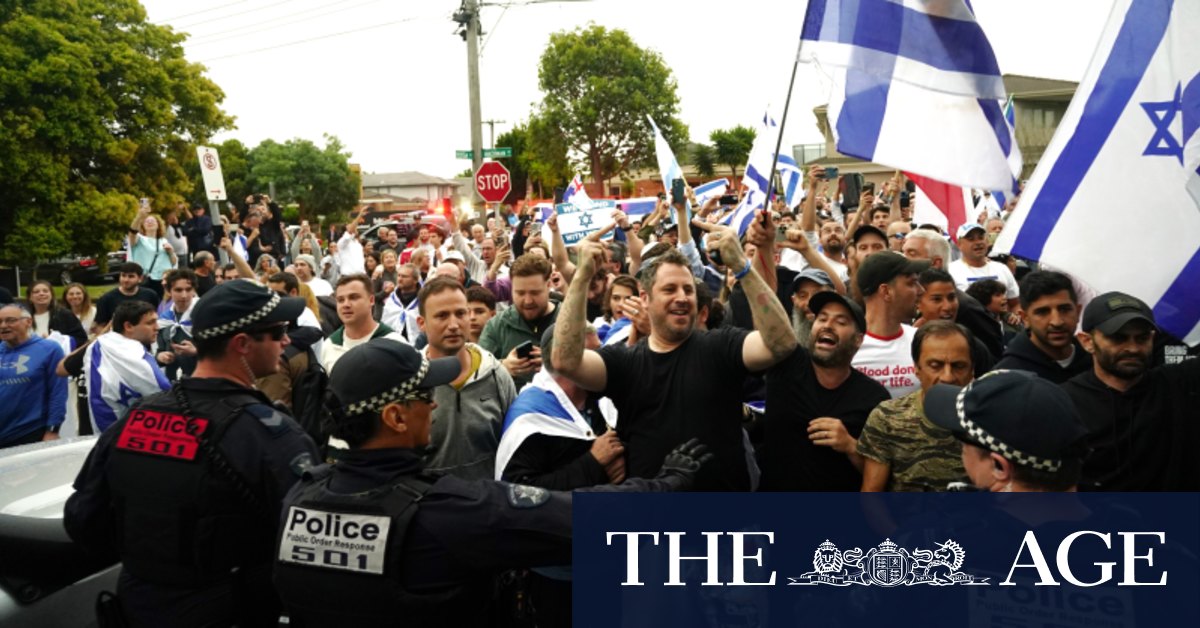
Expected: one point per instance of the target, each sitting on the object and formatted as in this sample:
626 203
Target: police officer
372 540
185 489
1020 433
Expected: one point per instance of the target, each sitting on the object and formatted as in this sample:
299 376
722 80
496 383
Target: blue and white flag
576 223
1109 201
712 189
754 179
916 86
541 408
636 208
668 166
792 180
617 332
1001 196
119 371
400 317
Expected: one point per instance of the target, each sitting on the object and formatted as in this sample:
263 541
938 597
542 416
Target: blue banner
997 560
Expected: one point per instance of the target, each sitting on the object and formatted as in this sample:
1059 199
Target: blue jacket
31 394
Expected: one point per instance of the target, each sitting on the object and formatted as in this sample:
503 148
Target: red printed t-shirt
889 361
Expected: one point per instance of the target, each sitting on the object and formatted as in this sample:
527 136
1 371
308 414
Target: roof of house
411 178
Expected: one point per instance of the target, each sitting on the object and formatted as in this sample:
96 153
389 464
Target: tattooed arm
584 367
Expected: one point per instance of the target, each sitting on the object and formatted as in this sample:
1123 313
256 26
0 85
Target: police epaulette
269 417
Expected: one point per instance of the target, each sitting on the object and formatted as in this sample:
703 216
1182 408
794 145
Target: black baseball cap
865 229
241 305
1110 311
383 371
1029 420
819 300
884 266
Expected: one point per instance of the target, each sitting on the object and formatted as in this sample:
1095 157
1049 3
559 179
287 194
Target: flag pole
782 122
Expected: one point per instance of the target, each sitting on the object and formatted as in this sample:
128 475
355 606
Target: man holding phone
531 313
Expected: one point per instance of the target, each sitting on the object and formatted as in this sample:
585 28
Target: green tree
705 159
732 146
318 180
599 88
100 108
545 156
517 139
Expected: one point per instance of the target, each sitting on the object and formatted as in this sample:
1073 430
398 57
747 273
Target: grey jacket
466 425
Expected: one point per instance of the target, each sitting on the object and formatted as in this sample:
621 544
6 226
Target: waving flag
754 180
576 194
120 371
941 204
1109 201
712 189
916 87
668 166
1001 196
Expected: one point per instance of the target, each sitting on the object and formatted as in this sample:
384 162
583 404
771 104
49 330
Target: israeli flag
792 180
712 189
1113 186
119 371
541 408
1001 196
636 208
754 179
668 166
916 86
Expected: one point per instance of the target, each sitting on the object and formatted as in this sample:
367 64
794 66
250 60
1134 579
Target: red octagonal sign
493 181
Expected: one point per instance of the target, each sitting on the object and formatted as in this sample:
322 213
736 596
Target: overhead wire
242 31
312 39
225 17
180 17
483 46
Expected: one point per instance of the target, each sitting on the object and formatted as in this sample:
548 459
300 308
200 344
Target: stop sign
493 181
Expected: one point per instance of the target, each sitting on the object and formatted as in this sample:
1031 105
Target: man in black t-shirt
129 288
817 405
680 383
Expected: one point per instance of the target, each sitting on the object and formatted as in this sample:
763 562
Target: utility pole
492 130
468 18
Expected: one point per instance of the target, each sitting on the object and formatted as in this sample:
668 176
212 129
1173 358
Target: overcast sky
389 78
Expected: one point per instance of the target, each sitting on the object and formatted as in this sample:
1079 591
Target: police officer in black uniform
186 488
373 541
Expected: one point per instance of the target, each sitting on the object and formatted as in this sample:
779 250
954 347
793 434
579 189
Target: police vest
340 557
185 518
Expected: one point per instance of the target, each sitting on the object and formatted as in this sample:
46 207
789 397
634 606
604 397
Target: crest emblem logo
888 565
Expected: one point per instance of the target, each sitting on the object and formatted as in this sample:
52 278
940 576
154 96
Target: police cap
241 305
384 371
1028 420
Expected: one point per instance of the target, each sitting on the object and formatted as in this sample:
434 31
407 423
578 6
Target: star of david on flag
1115 199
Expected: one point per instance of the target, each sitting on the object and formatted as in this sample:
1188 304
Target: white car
45 579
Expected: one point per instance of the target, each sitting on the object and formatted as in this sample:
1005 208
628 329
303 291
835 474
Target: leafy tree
100 108
517 139
545 156
732 146
599 87
705 160
318 180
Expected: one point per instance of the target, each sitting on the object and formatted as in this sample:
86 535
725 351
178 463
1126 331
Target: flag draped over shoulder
1110 200
916 87
119 371
541 408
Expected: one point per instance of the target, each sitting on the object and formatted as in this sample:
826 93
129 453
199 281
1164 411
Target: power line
492 30
179 17
312 39
225 17
233 33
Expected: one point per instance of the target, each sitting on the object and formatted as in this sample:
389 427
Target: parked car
72 268
405 224
45 578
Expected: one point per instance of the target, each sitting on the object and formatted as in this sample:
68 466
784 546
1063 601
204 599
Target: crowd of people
834 346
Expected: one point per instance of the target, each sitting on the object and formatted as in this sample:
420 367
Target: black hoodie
1145 438
1021 354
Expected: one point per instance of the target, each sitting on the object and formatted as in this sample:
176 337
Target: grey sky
396 92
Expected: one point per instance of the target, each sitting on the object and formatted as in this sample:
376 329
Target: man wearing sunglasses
185 489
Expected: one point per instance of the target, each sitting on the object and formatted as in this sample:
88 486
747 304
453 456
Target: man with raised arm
682 382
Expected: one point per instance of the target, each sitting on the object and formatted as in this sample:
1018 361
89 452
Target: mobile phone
678 191
525 349
558 195
144 202
781 233
851 188
868 187
729 199
831 173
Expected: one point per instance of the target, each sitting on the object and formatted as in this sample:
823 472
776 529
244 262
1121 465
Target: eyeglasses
899 236
277 332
